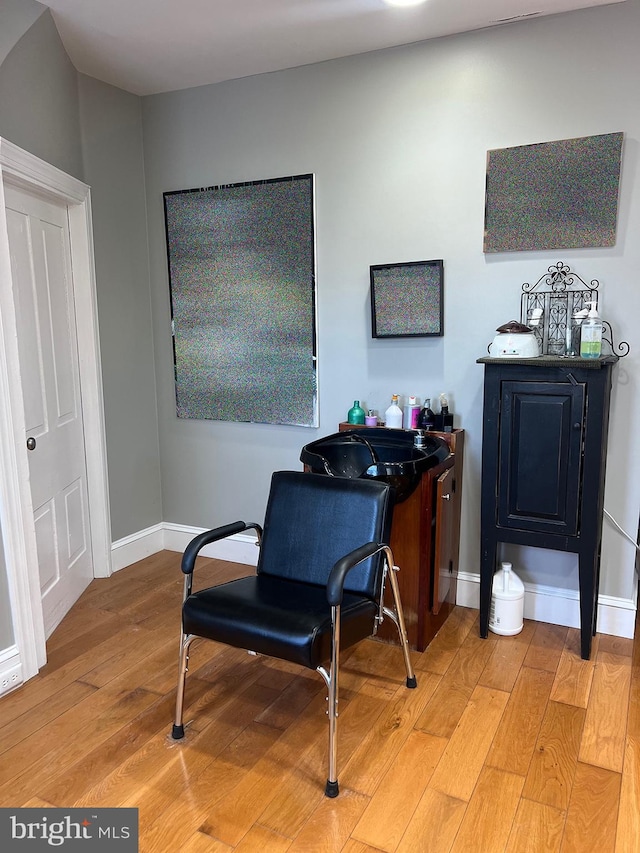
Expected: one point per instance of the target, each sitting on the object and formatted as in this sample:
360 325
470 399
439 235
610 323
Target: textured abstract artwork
406 299
243 301
553 195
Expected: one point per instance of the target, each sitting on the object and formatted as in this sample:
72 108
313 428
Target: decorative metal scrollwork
549 307
619 350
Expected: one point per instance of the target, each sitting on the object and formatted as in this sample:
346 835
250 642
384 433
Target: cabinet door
541 430
445 511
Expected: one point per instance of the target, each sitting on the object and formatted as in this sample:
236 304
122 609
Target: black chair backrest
313 520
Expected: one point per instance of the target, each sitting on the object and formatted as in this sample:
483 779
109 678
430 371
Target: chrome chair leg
331 679
177 733
398 618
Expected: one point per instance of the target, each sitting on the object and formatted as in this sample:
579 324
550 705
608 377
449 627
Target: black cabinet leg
587 571
487 569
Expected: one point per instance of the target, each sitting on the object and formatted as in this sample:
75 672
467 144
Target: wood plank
45 685
290 701
232 817
329 827
488 819
380 745
434 824
546 647
633 720
18 729
464 756
603 738
536 828
259 839
353 846
443 712
297 796
440 652
174 825
387 815
574 676
614 648
519 727
628 827
593 811
201 843
154 761
504 665
102 713
555 757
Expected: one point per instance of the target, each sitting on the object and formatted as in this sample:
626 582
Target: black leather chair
319 586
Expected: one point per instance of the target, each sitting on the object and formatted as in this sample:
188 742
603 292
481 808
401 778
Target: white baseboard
616 616
11 675
136 547
240 548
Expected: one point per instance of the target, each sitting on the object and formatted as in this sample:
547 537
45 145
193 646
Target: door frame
27 172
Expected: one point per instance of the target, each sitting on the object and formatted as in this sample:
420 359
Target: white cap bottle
393 415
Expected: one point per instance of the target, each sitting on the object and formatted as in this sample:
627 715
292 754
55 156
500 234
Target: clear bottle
393 415
591 334
356 413
426 417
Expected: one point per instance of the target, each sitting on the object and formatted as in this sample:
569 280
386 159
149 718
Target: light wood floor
507 744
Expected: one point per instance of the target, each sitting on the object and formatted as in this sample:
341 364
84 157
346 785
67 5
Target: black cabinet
544 444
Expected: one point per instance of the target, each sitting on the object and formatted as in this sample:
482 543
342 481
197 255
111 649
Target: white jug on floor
507 602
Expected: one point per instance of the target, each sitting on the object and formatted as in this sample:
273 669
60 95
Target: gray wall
94 132
397 140
112 147
39 98
16 17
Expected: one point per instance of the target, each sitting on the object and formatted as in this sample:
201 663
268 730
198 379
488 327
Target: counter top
553 361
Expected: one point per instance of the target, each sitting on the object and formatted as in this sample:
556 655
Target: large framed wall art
243 301
553 195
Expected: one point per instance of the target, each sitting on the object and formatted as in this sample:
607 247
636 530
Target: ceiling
149 46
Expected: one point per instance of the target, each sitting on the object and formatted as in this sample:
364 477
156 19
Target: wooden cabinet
425 537
544 444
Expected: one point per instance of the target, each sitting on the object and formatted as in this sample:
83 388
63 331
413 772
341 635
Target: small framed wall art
407 299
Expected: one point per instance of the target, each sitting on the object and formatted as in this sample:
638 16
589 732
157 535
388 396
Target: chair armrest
198 542
338 573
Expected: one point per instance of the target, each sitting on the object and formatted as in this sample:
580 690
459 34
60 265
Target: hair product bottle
356 413
393 415
591 334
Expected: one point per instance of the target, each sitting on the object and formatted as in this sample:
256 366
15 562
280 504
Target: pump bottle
591 334
426 418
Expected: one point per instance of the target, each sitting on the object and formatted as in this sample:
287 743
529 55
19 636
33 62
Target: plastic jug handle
506 571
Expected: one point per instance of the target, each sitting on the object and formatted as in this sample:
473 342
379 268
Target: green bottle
356 414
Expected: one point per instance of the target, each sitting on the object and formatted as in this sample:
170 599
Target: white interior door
38 232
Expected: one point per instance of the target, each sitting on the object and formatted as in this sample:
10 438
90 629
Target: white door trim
23 170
